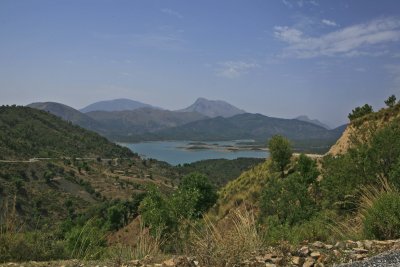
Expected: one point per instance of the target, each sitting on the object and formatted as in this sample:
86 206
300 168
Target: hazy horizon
279 58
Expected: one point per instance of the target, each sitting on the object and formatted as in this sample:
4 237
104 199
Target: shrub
288 200
382 219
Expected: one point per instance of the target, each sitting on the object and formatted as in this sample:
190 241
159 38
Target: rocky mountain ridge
213 108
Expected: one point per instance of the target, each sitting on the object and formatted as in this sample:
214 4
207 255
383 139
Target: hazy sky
280 58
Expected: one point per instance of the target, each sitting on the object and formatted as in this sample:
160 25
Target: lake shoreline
181 152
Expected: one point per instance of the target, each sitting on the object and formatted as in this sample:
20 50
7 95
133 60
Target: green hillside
219 171
26 133
352 195
70 114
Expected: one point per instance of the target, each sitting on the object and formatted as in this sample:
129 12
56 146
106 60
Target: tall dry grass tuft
87 242
369 194
226 246
147 245
352 228
8 218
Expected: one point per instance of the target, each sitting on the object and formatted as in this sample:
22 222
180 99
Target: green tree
203 191
115 216
307 168
281 152
288 200
156 211
391 101
360 112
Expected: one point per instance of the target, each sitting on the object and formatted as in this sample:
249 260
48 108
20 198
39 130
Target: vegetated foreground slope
358 187
26 133
46 205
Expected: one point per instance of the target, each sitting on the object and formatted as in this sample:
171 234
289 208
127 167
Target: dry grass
147 246
369 194
221 246
352 228
88 243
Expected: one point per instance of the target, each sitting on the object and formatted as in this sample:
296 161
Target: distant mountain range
192 123
313 121
115 105
68 113
247 126
213 108
142 120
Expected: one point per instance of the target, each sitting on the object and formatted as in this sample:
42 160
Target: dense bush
382 219
170 214
288 200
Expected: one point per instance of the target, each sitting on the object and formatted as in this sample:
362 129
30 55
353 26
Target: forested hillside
26 133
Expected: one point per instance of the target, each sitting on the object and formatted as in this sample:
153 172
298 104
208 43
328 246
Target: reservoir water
180 152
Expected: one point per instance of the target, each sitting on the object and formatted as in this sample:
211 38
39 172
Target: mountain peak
213 108
313 121
118 104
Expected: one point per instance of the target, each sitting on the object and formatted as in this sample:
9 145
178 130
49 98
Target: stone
268 257
277 260
135 263
328 247
360 250
383 242
368 244
359 257
296 260
304 251
309 262
360 244
336 253
315 254
168 263
270 265
261 259
318 244
351 244
340 245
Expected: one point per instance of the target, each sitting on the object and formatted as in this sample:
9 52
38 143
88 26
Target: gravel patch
388 259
